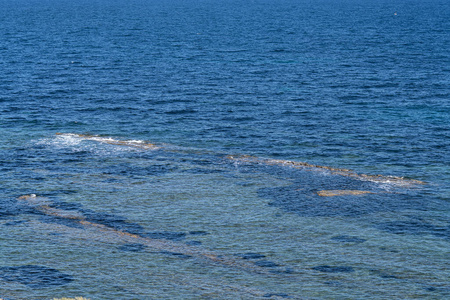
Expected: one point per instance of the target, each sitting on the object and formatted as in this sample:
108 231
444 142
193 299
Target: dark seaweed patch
301 196
251 255
132 170
282 295
14 223
333 283
61 221
198 232
383 274
66 205
306 202
445 290
175 254
132 247
348 239
10 207
120 223
283 271
67 192
203 171
34 276
334 269
266 264
167 235
200 162
193 243
415 227
388 276
114 221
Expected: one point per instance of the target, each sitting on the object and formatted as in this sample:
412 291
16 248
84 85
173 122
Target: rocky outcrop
335 171
331 193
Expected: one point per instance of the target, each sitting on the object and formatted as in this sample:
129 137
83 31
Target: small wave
74 138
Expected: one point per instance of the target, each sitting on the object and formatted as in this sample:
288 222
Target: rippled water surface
224 150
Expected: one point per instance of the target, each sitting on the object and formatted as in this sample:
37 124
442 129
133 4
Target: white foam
382 180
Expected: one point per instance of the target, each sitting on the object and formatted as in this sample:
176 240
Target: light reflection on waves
382 179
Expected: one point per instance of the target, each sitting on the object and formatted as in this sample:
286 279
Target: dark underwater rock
175 254
333 193
414 227
251 255
282 295
14 223
383 274
115 222
198 232
306 202
266 264
321 194
334 269
11 207
334 283
193 243
166 235
66 205
61 221
203 171
132 247
443 290
287 270
35 276
348 239
131 171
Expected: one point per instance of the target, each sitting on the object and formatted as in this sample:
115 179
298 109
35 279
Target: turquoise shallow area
163 142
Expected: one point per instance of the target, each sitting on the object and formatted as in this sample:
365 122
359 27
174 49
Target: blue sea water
179 149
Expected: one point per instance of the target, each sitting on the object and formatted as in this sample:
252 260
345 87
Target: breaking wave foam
72 139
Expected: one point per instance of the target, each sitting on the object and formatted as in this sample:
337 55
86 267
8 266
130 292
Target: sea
224 149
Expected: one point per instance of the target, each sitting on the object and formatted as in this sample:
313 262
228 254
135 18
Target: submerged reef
323 194
136 247
308 203
76 298
348 239
334 171
132 236
334 269
332 193
34 276
87 229
415 227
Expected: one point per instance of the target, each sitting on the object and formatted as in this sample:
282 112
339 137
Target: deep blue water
360 85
